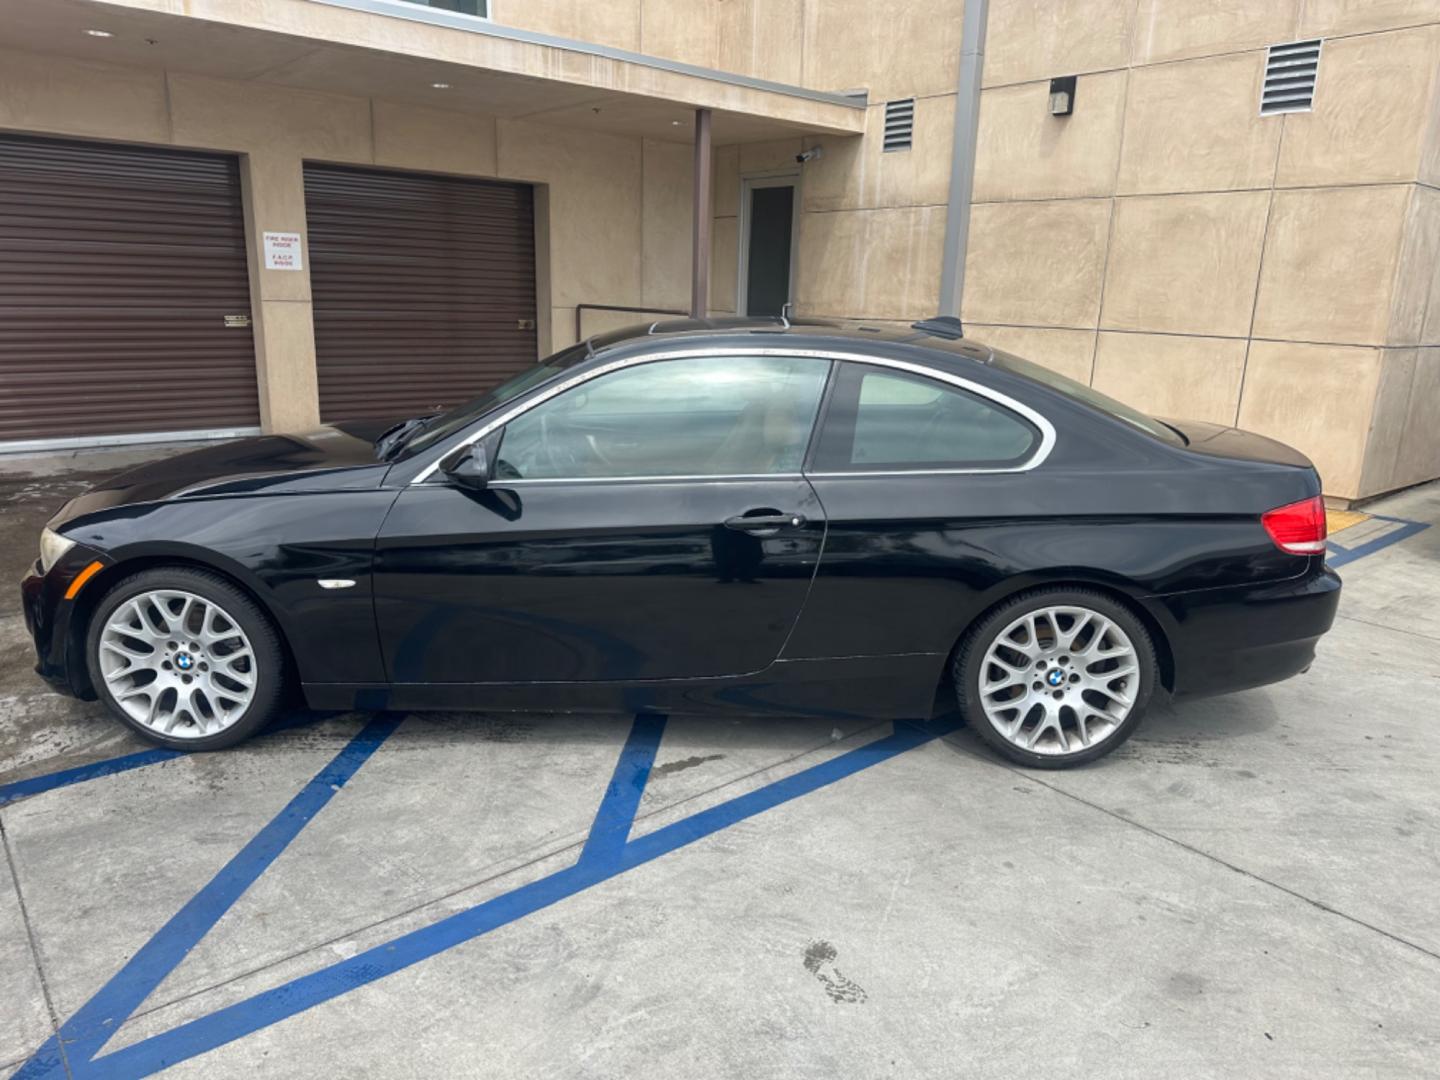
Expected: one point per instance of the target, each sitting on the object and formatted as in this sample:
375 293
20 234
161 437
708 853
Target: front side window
881 419
695 416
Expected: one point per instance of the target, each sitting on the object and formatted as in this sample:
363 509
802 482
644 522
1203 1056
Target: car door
649 523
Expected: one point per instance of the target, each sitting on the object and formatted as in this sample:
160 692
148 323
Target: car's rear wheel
185 659
1056 677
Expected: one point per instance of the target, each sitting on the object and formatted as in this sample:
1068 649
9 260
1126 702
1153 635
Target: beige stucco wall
1165 242
1275 272
618 207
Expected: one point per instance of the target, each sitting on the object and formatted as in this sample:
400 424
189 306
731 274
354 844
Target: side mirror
473 466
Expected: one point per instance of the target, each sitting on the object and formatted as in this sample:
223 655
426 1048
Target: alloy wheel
177 663
1059 680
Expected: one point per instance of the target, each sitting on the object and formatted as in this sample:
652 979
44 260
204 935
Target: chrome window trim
1037 458
709 478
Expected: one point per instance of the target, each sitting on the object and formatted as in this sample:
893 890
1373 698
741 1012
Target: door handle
764 522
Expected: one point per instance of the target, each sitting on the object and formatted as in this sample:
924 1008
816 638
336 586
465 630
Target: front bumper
49 619
1234 639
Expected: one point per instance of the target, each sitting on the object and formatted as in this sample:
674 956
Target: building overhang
403 52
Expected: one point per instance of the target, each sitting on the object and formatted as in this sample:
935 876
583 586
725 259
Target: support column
700 233
272 186
962 156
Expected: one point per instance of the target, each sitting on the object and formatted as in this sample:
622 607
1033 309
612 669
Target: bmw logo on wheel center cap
1056 677
184 661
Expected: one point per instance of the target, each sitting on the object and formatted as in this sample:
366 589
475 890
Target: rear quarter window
880 419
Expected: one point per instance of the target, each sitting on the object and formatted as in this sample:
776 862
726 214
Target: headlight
52 546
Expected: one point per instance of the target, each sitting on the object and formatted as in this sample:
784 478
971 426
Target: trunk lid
1216 440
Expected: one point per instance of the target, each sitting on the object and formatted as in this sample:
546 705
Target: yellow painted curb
1335 520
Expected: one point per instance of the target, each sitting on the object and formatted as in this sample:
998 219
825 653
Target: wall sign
282 251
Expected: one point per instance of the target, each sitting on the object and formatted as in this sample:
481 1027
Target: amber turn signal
81 578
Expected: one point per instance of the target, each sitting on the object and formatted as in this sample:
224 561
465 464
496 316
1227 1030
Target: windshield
446 424
1091 397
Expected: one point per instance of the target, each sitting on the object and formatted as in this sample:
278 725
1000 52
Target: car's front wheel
185 659
1056 677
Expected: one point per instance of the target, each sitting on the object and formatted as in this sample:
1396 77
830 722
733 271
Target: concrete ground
1251 886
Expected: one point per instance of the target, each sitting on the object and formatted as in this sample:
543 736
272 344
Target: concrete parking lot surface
1248 887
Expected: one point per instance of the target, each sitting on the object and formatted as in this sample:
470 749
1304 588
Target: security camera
815 153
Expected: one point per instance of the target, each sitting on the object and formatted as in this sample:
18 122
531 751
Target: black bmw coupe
703 517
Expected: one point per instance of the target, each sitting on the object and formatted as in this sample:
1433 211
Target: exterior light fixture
99 33
440 85
1062 95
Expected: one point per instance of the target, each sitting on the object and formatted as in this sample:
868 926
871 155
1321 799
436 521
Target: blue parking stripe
272 1006
611 827
1339 555
36 785
86 1032
20 789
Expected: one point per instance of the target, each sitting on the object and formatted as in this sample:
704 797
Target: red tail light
1298 528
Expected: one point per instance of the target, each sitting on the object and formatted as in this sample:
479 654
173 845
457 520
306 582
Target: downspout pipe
962 156
700 231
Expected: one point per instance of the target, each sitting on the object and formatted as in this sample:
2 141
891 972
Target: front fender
275 548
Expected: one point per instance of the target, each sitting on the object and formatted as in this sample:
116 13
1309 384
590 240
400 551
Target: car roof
938 335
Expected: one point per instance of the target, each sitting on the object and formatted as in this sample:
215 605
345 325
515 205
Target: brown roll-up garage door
424 288
118 268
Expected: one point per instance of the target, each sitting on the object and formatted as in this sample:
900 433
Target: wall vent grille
1290 72
899 124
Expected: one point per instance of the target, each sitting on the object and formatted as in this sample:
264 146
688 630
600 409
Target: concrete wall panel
1373 104
1387 422
725 194
594 207
1070 352
684 30
1196 126
1189 378
1025 153
893 50
1185 264
882 264
1315 397
1039 39
1331 256
434 140
666 224
1177 29
1036 263
857 174
75 97
615 23
1415 311
764 38
1327 18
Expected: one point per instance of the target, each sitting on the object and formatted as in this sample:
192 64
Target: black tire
264 642
971 655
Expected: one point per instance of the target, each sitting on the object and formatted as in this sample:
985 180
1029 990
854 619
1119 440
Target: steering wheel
593 444
559 461
562 457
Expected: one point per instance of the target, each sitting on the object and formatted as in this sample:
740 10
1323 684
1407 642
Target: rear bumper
1234 639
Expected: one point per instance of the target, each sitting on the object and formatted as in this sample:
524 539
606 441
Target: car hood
337 457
